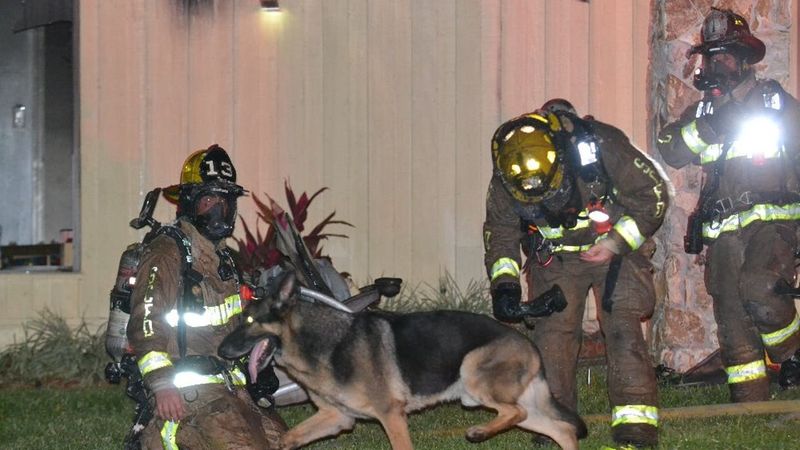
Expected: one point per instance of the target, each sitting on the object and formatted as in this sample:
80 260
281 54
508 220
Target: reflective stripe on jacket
764 213
151 330
763 155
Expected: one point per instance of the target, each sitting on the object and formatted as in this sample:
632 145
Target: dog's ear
287 289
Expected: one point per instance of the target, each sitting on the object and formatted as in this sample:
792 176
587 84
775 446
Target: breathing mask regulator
539 157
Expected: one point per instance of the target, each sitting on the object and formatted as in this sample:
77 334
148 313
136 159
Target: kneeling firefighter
745 133
185 302
581 201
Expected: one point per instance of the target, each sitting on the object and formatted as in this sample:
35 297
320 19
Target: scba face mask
721 73
214 210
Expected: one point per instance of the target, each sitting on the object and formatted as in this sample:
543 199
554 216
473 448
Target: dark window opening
39 162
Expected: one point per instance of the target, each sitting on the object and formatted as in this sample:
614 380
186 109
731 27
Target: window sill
36 269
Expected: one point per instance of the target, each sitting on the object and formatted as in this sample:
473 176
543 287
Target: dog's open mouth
260 355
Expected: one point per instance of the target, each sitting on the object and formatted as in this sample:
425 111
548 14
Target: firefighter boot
790 372
635 435
750 391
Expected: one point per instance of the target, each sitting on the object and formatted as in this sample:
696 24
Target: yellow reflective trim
188 378
746 372
737 150
572 248
152 361
763 212
776 337
222 314
211 315
557 233
147 322
239 379
627 414
551 233
711 153
169 435
505 266
576 248
627 228
692 138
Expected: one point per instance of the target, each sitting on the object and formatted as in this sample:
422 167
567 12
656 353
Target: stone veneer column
683 325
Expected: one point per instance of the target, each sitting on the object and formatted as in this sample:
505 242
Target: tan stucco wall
389 103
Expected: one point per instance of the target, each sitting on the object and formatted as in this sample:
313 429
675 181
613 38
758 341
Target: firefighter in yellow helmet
581 201
744 133
181 312
207 173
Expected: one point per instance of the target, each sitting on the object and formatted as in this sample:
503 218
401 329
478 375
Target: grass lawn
98 418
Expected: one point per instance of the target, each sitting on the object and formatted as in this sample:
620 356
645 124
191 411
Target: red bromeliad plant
260 251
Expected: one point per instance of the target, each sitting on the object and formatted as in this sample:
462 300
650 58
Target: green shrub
447 295
53 352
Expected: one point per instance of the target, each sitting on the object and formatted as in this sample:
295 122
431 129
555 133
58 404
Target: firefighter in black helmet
581 201
186 302
744 133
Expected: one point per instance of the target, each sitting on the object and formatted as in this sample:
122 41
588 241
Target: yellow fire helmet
205 166
526 159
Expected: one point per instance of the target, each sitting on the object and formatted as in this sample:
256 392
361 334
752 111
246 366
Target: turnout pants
742 270
217 419
631 377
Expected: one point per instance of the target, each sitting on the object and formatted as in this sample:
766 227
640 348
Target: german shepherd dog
381 365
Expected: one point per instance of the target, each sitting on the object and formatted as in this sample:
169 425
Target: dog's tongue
256 356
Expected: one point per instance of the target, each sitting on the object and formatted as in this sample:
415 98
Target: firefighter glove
505 302
726 119
548 302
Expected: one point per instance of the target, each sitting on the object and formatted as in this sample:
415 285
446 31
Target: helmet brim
172 193
754 48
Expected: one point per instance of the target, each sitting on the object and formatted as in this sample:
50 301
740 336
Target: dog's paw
288 444
477 434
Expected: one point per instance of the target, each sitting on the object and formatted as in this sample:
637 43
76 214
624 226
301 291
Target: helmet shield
526 160
203 166
213 164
